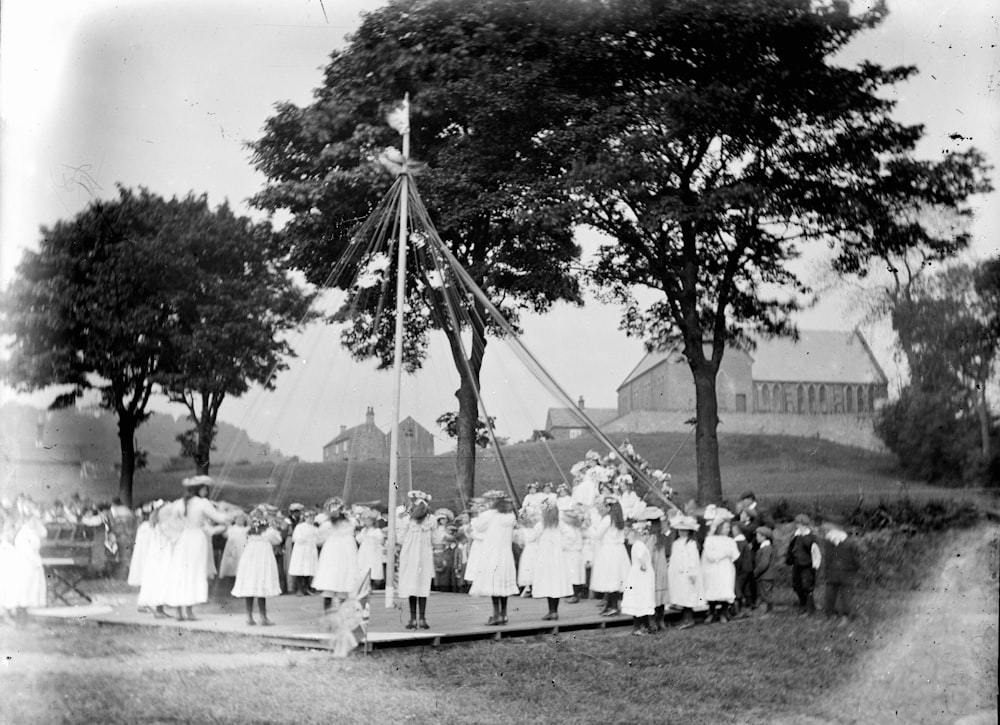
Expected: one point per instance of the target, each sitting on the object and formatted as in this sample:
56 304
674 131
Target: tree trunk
984 422
706 434
465 427
126 439
206 430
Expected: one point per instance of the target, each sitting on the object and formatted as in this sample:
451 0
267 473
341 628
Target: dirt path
940 661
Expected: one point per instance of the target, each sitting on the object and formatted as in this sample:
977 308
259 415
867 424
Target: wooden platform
452 618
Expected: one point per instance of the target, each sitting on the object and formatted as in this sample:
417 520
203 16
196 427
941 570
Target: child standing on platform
495 576
611 562
337 568
416 557
639 599
371 541
305 553
257 573
551 579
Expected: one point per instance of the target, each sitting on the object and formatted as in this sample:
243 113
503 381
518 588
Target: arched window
800 399
765 402
778 396
822 399
848 398
812 399
863 399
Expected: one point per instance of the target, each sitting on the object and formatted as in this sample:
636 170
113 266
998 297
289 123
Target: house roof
355 430
564 417
820 356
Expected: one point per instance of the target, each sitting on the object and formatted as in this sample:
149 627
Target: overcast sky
163 94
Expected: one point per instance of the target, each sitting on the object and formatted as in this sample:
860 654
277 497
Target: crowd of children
594 537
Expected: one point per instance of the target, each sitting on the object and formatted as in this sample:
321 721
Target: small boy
763 570
804 557
744 571
841 564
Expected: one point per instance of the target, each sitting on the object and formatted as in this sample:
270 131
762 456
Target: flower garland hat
197 481
416 495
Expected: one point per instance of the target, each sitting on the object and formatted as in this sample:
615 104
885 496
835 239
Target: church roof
819 356
564 417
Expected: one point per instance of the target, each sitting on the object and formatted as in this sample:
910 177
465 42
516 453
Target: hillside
802 470
73 436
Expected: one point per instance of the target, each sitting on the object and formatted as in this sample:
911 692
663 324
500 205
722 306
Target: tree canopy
486 90
729 140
141 291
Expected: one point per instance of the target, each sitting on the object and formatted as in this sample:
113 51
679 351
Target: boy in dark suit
804 556
764 568
841 564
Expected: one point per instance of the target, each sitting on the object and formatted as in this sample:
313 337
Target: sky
164 94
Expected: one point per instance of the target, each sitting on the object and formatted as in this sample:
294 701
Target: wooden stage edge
454 619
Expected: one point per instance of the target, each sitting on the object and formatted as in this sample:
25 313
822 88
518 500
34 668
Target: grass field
802 470
784 669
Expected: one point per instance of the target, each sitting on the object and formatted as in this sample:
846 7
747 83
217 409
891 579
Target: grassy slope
801 469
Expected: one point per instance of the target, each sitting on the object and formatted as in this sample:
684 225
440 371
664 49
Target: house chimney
579 403
370 416
343 429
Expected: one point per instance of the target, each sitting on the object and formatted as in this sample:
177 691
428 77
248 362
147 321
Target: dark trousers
765 591
839 593
803 583
742 588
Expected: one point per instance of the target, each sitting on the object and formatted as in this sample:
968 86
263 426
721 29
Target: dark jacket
744 564
800 550
841 563
763 569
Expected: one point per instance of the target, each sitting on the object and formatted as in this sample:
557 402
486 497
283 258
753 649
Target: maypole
399 120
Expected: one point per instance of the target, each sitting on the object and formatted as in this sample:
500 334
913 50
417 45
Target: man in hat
752 517
841 564
804 556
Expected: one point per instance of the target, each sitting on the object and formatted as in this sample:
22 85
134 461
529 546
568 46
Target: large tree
731 138
231 311
88 310
487 89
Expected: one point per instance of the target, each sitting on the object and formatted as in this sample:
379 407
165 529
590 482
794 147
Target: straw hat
197 481
684 523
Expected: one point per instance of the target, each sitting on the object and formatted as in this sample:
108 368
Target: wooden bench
70 554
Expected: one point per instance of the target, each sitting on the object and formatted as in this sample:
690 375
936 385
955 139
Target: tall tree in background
729 139
88 310
230 312
487 87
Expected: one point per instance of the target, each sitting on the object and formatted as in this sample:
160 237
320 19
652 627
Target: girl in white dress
236 541
551 578
639 599
529 515
305 553
188 574
495 576
257 573
165 526
611 562
416 557
371 542
337 568
8 566
140 548
475 537
29 574
684 571
718 570
571 520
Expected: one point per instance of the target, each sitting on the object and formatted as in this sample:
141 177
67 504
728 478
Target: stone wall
848 430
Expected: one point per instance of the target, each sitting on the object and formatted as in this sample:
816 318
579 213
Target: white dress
572 544
143 534
370 555
639 599
416 557
8 572
155 568
236 542
551 576
337 568
718 570
475 557
611 563
188 574
684 575
495 575
305 551
257 573
29 584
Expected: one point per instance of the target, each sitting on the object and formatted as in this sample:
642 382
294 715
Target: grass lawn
745 671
